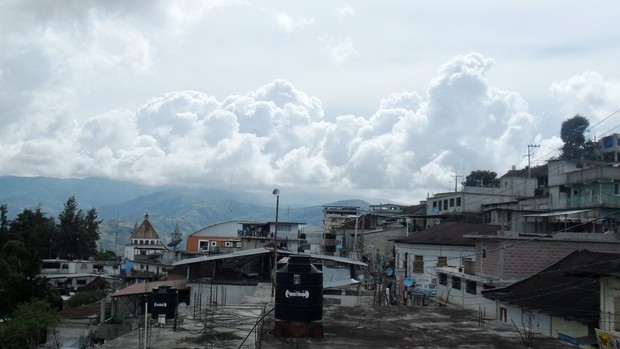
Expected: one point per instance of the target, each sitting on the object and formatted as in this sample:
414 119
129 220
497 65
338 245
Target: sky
394 100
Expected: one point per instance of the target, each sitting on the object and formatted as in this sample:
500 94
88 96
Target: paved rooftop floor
345 326
407 327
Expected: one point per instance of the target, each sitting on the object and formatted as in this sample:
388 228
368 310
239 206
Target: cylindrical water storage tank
299 291
164 300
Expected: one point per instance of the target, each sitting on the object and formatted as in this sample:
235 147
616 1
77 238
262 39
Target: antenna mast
456 177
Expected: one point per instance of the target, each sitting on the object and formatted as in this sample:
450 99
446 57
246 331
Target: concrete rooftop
345 326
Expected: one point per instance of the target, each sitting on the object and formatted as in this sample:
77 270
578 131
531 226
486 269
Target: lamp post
276 192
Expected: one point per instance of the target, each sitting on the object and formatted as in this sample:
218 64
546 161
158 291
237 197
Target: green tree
24 245
86 298
573 134
77 232
19 283
4 225
28 325
482 178
36 230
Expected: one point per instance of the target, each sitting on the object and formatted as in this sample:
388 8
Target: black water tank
299 291
164 300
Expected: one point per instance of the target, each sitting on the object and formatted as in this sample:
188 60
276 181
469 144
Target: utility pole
529 156
456 177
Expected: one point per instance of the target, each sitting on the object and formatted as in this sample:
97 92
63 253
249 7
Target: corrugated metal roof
148 287
554 214
328 258
212 257
258 251
337 259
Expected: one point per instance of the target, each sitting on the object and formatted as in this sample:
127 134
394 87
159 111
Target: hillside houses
540 251
539 218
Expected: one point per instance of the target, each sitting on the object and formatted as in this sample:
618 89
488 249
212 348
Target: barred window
443 279
456 283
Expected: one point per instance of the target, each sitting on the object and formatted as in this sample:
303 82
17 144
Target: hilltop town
530 258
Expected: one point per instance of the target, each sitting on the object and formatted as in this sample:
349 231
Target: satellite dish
389 271
174 242
408 282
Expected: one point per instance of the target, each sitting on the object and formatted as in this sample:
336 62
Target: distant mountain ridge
122 205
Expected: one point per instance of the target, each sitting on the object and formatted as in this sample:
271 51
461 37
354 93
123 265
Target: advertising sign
424 288
607 340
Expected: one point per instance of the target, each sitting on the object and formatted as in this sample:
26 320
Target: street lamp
275 192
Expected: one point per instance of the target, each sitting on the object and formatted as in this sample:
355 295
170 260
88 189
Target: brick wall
505 259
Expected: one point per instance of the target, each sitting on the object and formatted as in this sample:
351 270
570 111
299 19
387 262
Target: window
418 264
470 287
616 189
443 279
458 201
445 204
80 282
442 261
456 283
452 202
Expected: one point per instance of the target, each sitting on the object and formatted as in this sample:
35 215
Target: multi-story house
433 255
470 200
609 148
333 218
569 207
226 237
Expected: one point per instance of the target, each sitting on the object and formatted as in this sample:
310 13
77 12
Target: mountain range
122 205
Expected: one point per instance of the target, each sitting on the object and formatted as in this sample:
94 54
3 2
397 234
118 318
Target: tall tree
482 178
89 234
35 229
573 134
4 224
77 232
